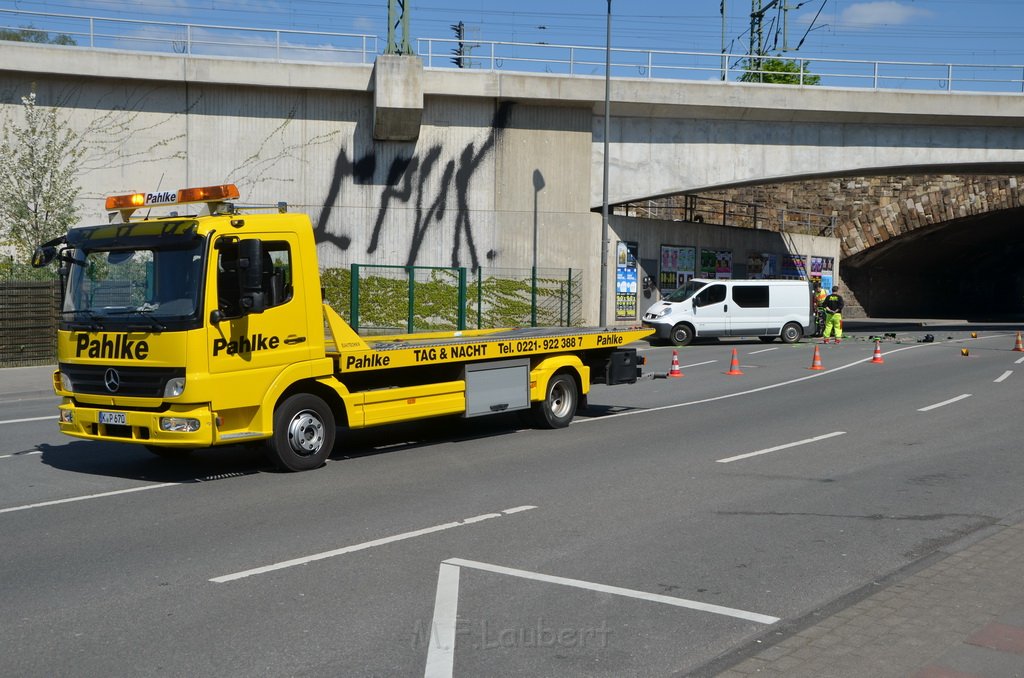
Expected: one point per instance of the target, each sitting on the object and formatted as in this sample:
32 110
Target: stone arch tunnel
952 248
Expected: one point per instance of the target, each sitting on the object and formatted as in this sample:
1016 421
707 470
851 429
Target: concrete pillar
397 97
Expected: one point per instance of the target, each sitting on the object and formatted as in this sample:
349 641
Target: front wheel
791 333
681 335
559 404
303 433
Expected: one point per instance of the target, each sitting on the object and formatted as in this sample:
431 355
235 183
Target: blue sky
942 31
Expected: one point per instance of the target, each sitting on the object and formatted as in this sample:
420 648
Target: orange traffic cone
877 358
675 371
816 361
1018 346
734 366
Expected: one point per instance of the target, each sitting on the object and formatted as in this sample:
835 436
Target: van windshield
686 291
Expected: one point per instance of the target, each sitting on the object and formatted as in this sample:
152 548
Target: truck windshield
154 286
686 291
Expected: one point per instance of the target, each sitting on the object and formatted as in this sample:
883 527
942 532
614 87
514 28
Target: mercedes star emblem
112 380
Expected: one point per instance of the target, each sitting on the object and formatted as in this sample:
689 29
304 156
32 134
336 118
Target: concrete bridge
403 165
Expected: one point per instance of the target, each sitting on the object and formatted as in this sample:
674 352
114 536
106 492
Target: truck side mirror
250 275
43 255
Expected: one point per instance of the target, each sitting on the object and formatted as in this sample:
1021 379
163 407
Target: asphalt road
667 530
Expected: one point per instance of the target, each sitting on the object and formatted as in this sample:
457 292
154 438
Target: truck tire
303 433
681 335
791 333
559 405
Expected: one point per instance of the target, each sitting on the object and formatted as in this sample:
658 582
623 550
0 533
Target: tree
32 34
778 71
38 187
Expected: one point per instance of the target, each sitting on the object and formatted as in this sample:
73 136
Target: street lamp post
603 312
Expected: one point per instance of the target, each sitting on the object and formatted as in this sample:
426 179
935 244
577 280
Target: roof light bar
134 201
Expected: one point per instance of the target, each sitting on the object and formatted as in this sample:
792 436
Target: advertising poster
626 280
708 263
794 266
723 264
827 274
771 265
677 267
816 264
755 266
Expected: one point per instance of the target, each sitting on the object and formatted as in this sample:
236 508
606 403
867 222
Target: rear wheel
559 404
681 335
791 333
303 433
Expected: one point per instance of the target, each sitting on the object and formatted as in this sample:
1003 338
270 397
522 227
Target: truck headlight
179 424
175 387
65 383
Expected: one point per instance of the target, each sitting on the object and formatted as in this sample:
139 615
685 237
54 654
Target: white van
733 308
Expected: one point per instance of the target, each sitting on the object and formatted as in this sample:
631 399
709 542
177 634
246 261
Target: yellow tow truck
186 332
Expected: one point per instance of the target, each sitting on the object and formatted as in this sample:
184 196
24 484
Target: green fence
404 299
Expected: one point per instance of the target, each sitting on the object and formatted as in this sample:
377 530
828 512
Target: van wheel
559 404
791 333
303 433
681 335
767 340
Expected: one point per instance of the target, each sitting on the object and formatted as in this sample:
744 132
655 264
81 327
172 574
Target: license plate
113 418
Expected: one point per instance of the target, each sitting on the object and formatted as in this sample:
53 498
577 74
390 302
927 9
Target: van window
750 296
712 294
686 291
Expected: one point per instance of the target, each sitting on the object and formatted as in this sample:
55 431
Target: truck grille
141 382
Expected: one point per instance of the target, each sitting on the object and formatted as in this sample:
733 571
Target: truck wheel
303 433
559 404
791 333
681 335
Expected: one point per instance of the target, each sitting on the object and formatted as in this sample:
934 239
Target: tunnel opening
970 268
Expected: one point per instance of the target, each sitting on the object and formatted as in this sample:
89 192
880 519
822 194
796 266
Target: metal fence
698 209
29 308
571 60
378 299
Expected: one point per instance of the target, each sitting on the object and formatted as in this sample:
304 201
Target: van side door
749 314
711 310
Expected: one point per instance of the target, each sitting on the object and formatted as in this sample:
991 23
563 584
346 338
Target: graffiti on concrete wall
406 185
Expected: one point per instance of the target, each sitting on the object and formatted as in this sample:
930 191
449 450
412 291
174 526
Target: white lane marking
769 387
944 402
781 447
88 496
706 362
361 547
19 421
20 454
1018 361
615 590
763 350
1003 376
441 654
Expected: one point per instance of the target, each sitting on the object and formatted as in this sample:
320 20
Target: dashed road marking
1003 376
20 421
944 402
781 447
88 496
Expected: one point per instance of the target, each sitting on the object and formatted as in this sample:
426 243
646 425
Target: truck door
711 310
255 346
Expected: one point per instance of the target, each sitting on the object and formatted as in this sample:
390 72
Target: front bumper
661 330
140 427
